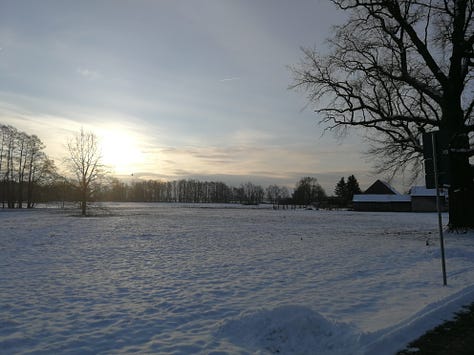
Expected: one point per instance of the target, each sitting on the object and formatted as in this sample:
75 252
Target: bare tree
22 165
22 142
276 193
251 194
84 161
308 191
401 68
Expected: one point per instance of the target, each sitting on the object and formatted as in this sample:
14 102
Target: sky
175 89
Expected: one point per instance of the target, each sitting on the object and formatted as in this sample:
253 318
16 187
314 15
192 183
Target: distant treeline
28 176
188 191
307 192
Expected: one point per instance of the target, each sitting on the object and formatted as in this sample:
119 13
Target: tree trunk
461 191
83 207
29 194
84 195
461 211
20 194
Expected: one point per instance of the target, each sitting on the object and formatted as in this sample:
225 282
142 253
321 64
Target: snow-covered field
158 278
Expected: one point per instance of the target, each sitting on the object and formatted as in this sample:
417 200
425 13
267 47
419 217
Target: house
380 196
424 200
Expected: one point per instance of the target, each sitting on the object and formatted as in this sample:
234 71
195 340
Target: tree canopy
345 191
84 162
399 69
23 165
308 191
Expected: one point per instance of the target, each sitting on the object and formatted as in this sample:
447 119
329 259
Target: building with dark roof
381 196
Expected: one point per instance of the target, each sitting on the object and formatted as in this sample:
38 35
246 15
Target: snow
291 329
381 198
424 192
183 279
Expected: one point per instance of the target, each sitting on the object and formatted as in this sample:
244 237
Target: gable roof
381 188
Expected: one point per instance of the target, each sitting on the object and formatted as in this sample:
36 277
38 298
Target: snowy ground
157 278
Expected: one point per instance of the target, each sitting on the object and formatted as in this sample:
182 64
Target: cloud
229 79
88 73
221 109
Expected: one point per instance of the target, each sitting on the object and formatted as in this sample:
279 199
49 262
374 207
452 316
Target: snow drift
290 330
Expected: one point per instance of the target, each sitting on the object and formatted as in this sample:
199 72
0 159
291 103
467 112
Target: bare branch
399 68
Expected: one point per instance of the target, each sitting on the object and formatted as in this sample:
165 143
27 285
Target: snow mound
290 330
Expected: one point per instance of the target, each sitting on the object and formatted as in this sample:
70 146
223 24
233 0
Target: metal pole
438 208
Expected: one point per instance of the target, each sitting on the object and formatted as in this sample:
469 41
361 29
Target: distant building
381 188
380 196
424 200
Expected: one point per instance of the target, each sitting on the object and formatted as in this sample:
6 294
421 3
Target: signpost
436 144
436 154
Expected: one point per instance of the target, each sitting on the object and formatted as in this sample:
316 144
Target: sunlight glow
120 151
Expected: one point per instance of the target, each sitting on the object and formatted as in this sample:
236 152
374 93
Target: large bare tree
401 68
84 161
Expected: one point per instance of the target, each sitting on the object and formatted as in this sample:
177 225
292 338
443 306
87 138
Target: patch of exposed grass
452 337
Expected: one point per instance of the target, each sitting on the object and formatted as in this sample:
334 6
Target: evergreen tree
352 188
345 191
341 191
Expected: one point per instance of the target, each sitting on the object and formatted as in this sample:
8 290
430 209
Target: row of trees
189 191
28 175
184 191
23 166
307 191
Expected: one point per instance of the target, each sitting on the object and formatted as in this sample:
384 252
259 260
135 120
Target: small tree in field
84 161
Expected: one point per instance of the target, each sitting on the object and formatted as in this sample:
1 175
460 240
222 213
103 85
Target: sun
120 151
